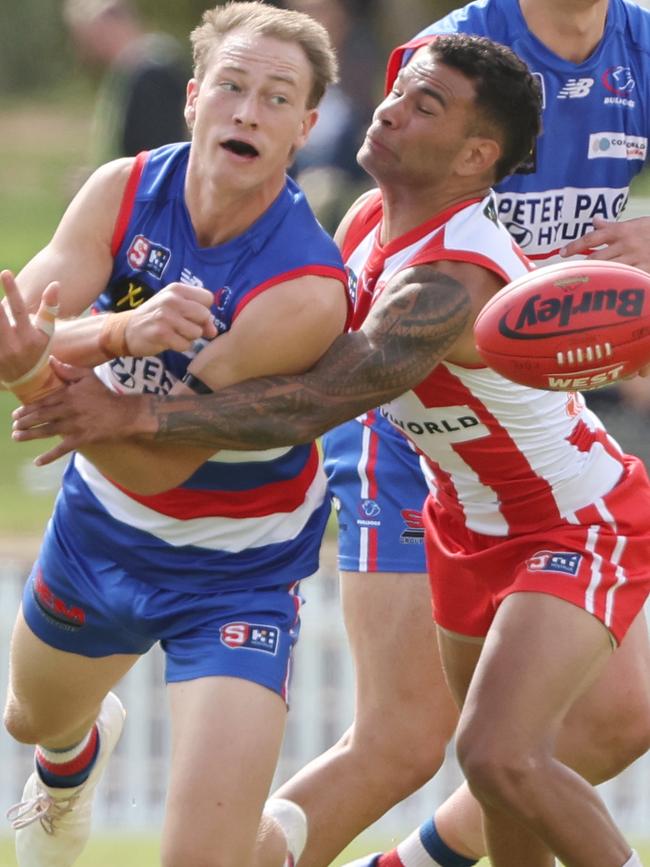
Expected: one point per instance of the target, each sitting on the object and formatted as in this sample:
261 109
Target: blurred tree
174 16
31 45
35 52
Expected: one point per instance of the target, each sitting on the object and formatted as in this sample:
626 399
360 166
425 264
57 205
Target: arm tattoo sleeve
413 324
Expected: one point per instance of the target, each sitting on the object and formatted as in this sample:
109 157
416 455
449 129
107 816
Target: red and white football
572 326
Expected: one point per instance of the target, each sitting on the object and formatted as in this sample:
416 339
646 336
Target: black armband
195 384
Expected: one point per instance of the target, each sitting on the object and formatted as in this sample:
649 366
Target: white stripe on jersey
604 512
366 436
214 533
596 563
621 578
363 549
358 258
225 456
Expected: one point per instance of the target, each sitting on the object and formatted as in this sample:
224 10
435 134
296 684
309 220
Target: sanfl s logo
576 88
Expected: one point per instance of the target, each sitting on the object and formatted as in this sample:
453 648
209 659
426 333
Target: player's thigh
226 736
613 715
459 656
393 641
52 690
541 653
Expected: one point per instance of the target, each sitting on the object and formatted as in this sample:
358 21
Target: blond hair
263 20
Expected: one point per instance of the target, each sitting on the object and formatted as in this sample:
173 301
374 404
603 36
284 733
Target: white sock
424 847
412 853
633 860
292 820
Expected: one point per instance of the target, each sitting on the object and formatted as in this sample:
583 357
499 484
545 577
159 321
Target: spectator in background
142 92
326 167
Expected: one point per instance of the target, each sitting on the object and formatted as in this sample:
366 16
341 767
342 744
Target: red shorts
602 567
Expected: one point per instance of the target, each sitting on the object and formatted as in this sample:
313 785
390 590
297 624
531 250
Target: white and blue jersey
596 121
244 520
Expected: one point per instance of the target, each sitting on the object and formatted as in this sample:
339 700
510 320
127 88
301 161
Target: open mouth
240 148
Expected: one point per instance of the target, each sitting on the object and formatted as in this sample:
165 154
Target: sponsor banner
617 146
543 222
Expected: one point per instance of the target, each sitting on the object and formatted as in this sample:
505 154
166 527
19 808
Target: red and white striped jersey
500 458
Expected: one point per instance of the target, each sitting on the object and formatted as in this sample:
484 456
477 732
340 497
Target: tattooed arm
419 317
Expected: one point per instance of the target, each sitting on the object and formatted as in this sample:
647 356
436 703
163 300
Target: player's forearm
404 339
82 341
257 414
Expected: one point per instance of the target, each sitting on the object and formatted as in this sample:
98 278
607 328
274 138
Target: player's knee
497 771
28 727
599 745
637 739
407 750
617 746
19 725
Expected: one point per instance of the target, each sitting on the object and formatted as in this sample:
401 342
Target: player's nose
246 112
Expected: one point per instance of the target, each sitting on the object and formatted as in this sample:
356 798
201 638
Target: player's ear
478 156
190 102
308 123
306 126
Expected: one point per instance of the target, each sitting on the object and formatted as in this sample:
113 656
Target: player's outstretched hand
173 319
82 413
23 338
624 241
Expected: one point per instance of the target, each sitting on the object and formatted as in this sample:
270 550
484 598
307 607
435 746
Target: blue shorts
378 491
95 608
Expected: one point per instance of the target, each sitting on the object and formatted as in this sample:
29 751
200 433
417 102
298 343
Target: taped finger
45 318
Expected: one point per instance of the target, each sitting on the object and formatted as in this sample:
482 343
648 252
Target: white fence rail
131 797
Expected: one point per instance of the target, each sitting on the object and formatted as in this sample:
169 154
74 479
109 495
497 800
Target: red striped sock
66 769
390 859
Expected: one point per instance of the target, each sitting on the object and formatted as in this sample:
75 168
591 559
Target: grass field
143 852
26 493
41 146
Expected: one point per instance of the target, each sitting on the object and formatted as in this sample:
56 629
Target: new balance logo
575 88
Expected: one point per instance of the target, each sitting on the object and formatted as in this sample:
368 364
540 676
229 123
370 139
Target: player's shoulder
632 22
288 236
368 201
108 182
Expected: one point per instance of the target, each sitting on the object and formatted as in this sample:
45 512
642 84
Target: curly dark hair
508 96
